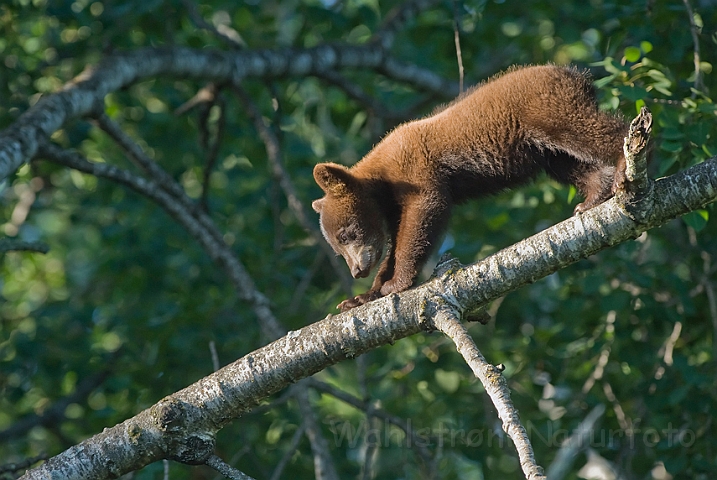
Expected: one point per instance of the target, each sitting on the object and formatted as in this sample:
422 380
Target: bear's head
350 218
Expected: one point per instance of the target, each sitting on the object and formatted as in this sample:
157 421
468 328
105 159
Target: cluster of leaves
125 292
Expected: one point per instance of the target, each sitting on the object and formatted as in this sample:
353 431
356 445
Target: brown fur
501 134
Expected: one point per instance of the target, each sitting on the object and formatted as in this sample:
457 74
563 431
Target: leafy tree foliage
126 307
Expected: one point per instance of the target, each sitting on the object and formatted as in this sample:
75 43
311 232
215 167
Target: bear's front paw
358 300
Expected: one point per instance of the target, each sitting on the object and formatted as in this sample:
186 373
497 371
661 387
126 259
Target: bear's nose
357 272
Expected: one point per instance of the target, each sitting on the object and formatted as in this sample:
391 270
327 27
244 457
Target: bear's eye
343 238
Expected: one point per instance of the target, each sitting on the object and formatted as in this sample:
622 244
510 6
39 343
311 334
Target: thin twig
396 20
446 320
223 32
55 413
211 145
16 467
273 151
367 101
574 444
298 296
370 446
204 95
215 356
457 41
196 222
11 244
416 442
225 469
599 369
624 421
293 447
711 300
324 468
694 29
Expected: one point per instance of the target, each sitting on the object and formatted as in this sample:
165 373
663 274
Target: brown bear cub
500 135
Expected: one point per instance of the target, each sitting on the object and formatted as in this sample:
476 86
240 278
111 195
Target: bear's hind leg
597 186
595 181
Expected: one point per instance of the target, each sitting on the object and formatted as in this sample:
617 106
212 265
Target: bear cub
499 135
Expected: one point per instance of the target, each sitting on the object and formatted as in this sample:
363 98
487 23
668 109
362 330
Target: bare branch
227 34
324 468
11 244
574 444
273 152
56 412
225 469
416 442
457 41
16 467
446 320
694 29
396 20
635 150
20 141
293 446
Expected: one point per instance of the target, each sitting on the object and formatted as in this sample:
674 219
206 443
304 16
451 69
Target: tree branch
574 444
699 86
11 244
447 321
396 20
293 446
225 469
20 141
273 152
55 412
226 34
416 442
324 468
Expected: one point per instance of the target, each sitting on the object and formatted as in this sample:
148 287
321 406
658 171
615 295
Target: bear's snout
358 272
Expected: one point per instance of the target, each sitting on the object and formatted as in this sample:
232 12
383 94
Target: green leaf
697 219
645 46
571 193
632 54
448 381
671 146
602 82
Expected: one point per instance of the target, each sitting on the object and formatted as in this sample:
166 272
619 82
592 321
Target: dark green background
126 290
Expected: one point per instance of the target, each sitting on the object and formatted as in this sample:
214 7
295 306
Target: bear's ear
332 178
317 205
